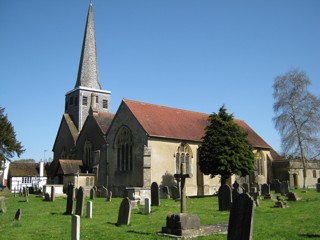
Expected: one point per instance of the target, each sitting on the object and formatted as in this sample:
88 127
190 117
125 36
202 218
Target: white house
25 174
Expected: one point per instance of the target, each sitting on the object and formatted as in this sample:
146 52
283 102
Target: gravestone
235 185
155 196
147 206
318 187
80 202
70 199
89 209
165 191
3 207
241 218
181 224
92 193
75 227
265 189
284 188
224 197
18 214
245 187
53 197
236 192
109 197
277 185
124 212
175 193
47 197
292 196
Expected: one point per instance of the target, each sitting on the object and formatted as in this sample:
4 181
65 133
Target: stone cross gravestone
80 202
18 214
241 218
124 212
224 197
70 199
155 196
183 191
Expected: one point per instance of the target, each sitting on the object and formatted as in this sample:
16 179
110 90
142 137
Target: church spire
88 66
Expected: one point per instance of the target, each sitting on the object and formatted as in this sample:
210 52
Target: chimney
41 169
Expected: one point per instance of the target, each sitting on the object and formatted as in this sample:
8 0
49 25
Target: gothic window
183 155
314 174
123 144
87 153
96 157
97 99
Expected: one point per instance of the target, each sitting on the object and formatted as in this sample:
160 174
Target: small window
314 174
85 101
97 99
105 103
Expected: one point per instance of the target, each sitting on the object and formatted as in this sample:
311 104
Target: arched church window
87 153
123 144
183 155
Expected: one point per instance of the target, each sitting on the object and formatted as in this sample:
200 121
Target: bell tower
87 91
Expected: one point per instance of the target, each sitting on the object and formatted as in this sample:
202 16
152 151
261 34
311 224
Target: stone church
141 143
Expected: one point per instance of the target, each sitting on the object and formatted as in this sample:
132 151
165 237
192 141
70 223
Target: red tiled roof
160 121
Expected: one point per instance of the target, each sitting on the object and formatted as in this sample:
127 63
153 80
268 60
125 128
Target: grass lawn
46 220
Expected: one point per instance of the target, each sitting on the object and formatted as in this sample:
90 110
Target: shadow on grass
309 235
141 233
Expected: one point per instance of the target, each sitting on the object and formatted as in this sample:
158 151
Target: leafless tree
297 116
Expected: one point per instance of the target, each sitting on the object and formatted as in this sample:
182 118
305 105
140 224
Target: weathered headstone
318 187
236 192
276 183
235 185
75 227
92 193
124 212
3 207
18 214
224 197
241 218
109 197
70 199
284 188
292 196
175 193
181 224
265 189
89 209
147 206
80 202
165 191
47 197
155 196
245 187
280 203
53 194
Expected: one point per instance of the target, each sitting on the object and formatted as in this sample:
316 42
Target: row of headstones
94 192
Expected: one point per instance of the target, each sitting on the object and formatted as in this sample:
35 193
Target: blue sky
188 54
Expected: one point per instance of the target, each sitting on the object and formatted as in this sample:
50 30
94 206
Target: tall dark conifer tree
225 149
8 142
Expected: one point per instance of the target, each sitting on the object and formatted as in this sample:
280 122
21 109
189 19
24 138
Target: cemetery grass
46 220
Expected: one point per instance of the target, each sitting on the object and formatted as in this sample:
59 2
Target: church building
140 144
